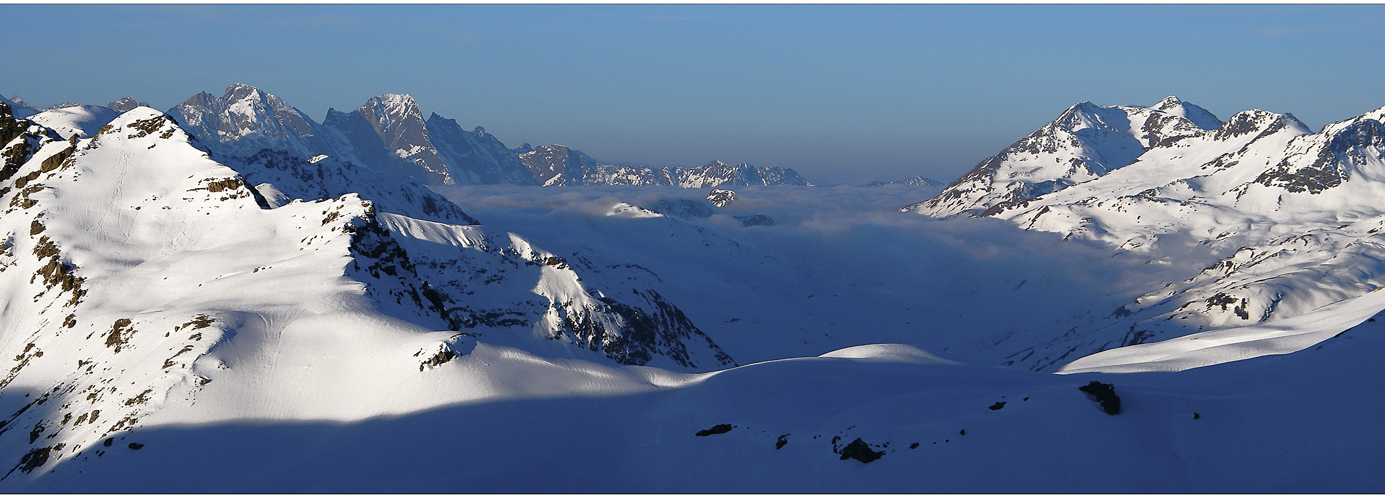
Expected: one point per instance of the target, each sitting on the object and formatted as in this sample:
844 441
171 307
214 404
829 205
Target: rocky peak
17 107
721 197
125 104
399 124
1198 116
17 100
1256 121
246 120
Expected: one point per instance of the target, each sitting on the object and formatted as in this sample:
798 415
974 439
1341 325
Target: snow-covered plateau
231 297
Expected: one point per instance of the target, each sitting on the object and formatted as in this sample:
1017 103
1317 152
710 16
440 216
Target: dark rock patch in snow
1104 394
716 429
859 450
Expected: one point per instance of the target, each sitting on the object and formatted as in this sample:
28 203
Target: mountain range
1128 287
389 134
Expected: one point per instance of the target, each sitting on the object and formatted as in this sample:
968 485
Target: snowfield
175 320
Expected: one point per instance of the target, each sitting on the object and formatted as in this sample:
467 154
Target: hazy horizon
840 93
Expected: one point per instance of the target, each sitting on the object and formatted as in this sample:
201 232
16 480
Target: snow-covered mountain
322 319
719 174
75 120
247 120
388 134
111 239
1085 142
1282 219
71 118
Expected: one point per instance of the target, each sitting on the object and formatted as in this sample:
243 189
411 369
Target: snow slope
82 121
1275 424
270 309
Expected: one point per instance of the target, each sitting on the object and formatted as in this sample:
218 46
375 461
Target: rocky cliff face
476 157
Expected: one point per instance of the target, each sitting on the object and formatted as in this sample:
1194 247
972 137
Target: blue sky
838 92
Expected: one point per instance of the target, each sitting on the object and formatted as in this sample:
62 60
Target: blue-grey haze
838 92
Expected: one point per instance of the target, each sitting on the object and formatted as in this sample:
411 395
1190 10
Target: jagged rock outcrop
388 134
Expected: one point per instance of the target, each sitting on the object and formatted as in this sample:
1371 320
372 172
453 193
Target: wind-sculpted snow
1237 343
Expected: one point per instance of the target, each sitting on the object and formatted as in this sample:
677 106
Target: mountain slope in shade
476 157
387 134
400 125
1085 142
1269 425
